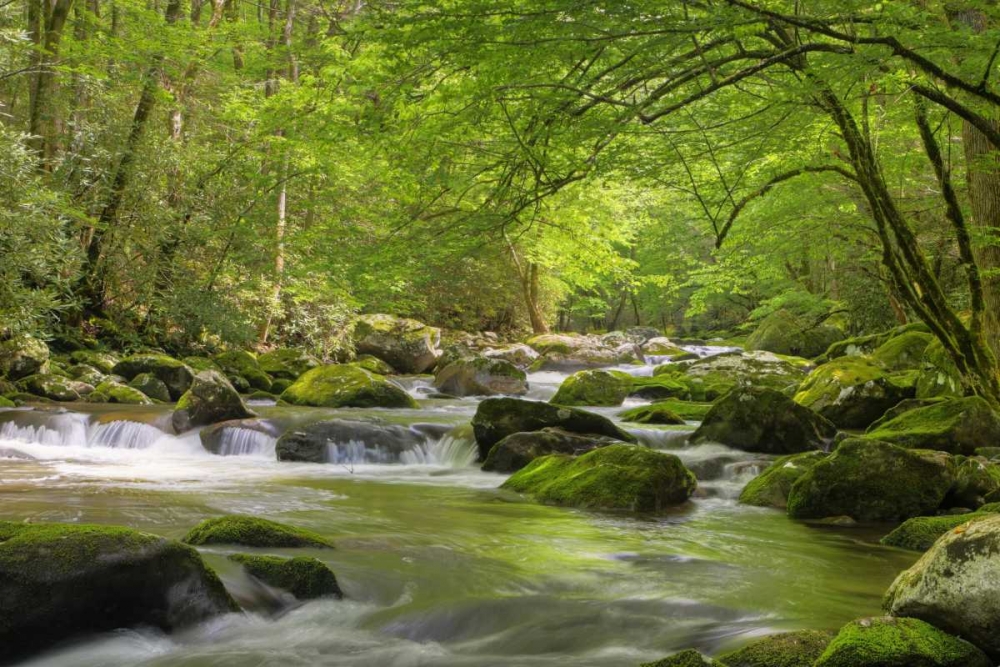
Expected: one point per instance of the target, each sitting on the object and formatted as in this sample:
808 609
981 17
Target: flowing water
438 565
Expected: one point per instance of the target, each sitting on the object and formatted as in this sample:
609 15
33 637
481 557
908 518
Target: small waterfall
354 452
57 429
657 438
123 434
236 441
452 450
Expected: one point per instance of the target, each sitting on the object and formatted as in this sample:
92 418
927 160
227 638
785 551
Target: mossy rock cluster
344 385
958 426
594 388
102 361
713 377
110 391
903 352
252 532
866 345
65 580
660 413
373 364
617 477
243 365
304 577
939 375
173 373
22 356
407 345
286 363
789 649
771 487
853 392
55 387
898 642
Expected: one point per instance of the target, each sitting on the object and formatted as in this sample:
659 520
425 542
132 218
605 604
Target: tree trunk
49 20
983 167
531 289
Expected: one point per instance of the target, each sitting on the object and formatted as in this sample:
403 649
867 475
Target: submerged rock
312 443
616 477
407 345
771 487
518 450
898 642
958 426
869 480
22 356
789 649
305 578
764 421
596 388
64 580
210 399
497 418
175 374
480 376
956 585
852 393
344 385
286 364
252 532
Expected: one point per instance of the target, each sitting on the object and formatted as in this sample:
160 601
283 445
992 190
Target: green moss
201 364
262 396
940 376
659 387
110 391
919 533
305 578
771 487
872 481
594 387
280 385
898 642
173 373
688 658
7 403
790 649
785 333
339 386
959 426
53 387
686 410
152 387
549 343
617 477
252 532
657 413
852 392
287 363
902 352
102 361
373 365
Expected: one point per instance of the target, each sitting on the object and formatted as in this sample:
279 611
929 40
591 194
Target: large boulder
344 385
175 374
898 642
407 345
346 440
661 347
594 387
939 375
519 354
518 450
976 479
55 387
210 399
151 386
852 392
574 351
64 580
287 363
22 356
764 421
713 377
617 477
251 531
243 364
784 333
921 532
110 391
305 578
496 418
958 426
955 586
903 352
373 365
865 345
102 361
771 487
789 649
481 376
869 480
655 413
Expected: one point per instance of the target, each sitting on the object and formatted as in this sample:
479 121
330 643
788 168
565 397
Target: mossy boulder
173 373
663 386
497 418
287 364
22 356
921 532
771 487
250 531
575 352
940 376
867 344
958 426
65 580
852 392
321 442
480 376
594 387
55 387
244 365
151 386
305 578
201 363
784 333
765 421
903 352
87 374
344 385
407 345
519 354
713 377
869 480
210 399
687 658
616 477
373 365
102 361
955 585
110 391
789 649
976 479
655 413
518 450
661 347
898 642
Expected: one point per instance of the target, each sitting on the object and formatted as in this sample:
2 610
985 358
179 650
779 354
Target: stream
439 566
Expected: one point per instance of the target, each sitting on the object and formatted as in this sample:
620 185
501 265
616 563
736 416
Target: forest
645 332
